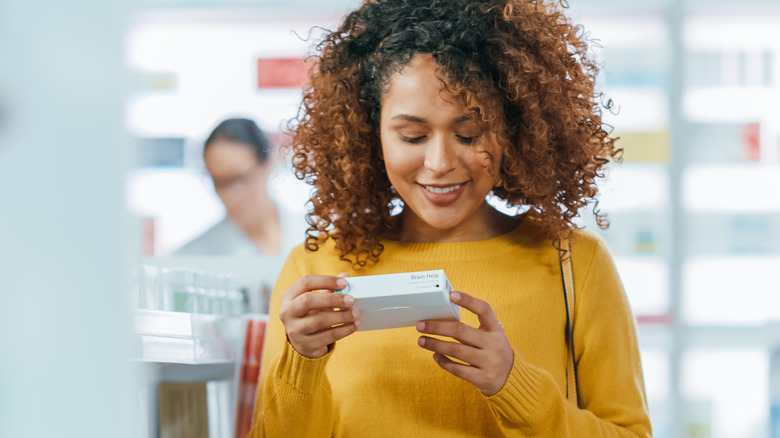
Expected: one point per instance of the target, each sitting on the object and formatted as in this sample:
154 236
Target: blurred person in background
237 155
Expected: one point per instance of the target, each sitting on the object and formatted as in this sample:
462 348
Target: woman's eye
466 140
412 139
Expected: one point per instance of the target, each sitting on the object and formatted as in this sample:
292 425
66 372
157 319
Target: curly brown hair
520 66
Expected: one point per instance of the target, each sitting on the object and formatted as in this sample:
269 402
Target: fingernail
342 283
454 296
421 341
420 326
344 275
355 313
357 323
349 300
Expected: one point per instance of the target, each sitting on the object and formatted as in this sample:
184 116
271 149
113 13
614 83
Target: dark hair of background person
241 131
519 66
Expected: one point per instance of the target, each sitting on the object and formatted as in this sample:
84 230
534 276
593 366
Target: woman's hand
485 350
314 317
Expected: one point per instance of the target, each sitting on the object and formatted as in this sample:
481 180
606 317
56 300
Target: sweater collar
526 234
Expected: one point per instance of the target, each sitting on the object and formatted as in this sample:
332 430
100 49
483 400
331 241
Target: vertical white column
65 367
676 22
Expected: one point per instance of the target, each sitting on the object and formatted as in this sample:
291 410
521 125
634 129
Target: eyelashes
467 140
461 138
412 140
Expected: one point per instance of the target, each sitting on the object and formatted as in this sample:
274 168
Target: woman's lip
442 199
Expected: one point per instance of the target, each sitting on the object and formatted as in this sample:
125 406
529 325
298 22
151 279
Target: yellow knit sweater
382 384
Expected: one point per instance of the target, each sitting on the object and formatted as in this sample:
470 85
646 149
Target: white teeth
442 190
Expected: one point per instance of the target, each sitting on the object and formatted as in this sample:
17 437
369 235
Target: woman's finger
465 372
304 303
316 345
323 320
464 353
313 282
309 335
487 318
464 333
487 381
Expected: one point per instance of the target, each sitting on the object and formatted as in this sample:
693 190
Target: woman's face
427 141
239 179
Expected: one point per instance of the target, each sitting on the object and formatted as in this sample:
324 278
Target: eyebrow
416 119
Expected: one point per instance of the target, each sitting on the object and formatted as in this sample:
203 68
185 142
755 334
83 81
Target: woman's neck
492 224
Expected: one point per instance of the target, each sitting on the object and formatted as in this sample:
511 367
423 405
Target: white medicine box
401 300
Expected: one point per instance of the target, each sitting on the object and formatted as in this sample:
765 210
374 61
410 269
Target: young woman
431 105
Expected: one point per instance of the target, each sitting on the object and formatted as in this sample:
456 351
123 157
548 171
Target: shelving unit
710 137
187 338
190 347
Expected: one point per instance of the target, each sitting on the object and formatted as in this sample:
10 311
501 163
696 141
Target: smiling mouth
442 190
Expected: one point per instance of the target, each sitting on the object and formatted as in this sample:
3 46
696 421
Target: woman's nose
440 156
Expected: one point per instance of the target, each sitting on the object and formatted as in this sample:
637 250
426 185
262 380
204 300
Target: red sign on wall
281 72
751 138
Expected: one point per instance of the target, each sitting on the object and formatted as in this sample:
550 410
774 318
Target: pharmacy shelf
718 104
187 338
188 351
719 337
186 325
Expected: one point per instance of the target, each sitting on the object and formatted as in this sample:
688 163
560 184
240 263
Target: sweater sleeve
294 395
611 388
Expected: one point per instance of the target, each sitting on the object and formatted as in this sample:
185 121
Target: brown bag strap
567 277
